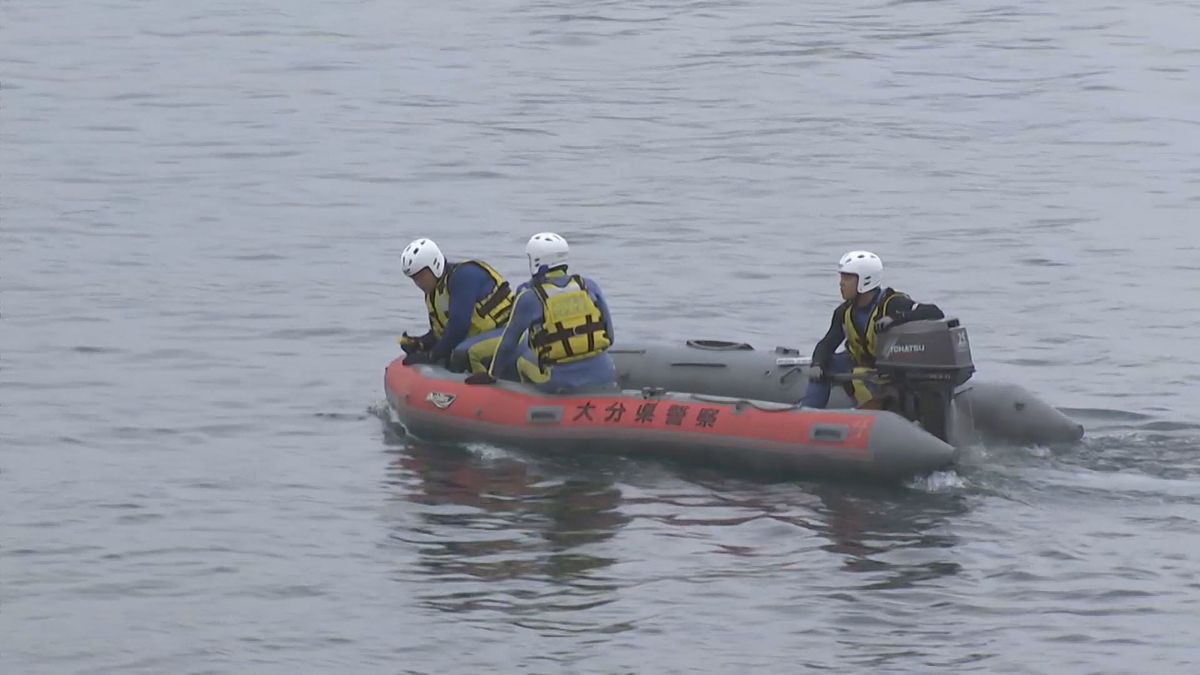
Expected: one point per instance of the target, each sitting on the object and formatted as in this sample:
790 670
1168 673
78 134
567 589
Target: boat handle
719 345
825 432
544 415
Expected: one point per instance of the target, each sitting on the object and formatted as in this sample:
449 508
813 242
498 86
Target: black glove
414 358
481 378
409 343
412 344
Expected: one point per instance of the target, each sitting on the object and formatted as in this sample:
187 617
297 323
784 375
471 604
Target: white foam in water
1039 451
383 411
485 451
939 481
974 454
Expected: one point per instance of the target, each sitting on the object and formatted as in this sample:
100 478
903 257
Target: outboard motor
925 361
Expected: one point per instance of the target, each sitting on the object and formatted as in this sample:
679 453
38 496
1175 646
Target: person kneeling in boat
868 310
567 326
469 304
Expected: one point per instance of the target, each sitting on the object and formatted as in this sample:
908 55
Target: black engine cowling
924 362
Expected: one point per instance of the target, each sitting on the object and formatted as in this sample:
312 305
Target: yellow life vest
490 311
572 327
861 345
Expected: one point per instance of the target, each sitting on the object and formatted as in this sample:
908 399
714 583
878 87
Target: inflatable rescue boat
722 403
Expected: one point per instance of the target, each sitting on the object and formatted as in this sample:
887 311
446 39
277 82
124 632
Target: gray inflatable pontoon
975 410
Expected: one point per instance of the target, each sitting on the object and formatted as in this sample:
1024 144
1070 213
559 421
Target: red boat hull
435 404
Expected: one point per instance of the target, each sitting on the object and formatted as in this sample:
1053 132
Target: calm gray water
203 206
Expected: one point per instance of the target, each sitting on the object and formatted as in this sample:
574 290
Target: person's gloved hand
417 357
816 372
412 344
481 378
409 343
883 324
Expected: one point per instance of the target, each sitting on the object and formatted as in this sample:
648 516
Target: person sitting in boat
565 323
868 310
469 304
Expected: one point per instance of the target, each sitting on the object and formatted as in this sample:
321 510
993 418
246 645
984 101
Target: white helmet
420 254
866 265
545 249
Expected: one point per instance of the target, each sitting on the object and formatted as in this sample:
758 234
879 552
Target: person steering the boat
867 310
561 328
468 302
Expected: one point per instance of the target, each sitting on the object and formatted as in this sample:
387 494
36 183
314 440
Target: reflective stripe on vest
489 312
862 346
572 327
858 386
